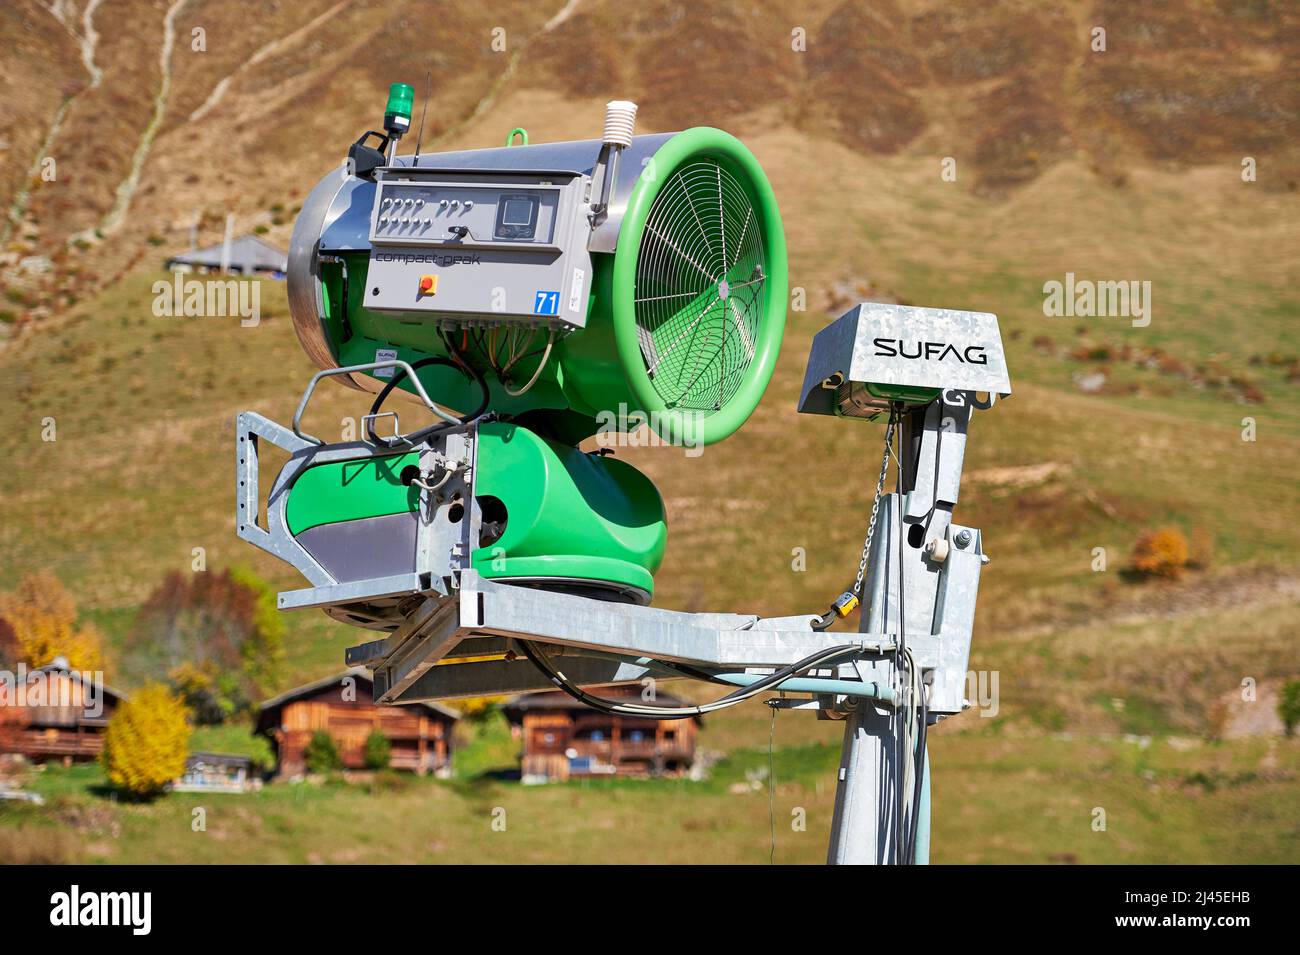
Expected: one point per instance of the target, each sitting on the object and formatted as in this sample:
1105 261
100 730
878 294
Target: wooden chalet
563 738
419 733
55 712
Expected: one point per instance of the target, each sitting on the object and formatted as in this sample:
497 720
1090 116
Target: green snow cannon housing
569 290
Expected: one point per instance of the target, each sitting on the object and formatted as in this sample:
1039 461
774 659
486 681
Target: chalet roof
361 675
217 759
60 665
516 706
248 253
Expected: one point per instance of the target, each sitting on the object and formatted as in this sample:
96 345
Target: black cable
919 771
918 757
416 437
540 660
900 656
449 344
525 357
503 342
938 450
693 672
478 337
344 323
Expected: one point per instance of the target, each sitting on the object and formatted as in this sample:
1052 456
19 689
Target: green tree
146 741
212 695
263 650
322 754
1288 705
378 750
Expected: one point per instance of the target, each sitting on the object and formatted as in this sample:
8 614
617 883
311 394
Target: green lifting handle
517 131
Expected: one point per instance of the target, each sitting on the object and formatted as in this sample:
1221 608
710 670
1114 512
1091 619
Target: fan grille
700 274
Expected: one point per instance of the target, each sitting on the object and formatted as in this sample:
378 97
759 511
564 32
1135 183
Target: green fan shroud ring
738 170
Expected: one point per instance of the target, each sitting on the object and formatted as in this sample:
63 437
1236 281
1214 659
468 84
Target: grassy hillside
148 402
1024 800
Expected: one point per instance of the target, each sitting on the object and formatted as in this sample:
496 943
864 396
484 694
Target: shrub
1161 553
322 754
1288 705
263 650
1094 353
377 751
211 694
146 741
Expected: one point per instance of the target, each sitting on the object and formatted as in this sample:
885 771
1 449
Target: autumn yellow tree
1161 553
39 617
146 741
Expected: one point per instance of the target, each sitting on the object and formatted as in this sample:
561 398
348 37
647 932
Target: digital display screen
518 212
517 217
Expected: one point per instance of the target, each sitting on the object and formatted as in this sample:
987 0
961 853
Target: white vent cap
620 120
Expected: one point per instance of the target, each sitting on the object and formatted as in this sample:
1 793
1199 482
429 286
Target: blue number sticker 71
546 303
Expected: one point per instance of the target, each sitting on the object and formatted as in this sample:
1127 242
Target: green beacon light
397 113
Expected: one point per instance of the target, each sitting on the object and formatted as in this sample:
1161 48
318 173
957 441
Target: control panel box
477 248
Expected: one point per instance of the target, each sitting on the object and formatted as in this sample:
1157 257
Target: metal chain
851 598
875 506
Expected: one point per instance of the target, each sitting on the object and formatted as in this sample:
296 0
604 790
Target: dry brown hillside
163 113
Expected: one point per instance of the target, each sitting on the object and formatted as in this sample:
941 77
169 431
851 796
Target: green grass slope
1027 800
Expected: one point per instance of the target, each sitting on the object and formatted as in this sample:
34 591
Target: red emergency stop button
428 284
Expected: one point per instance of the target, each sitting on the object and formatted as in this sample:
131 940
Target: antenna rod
424 110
